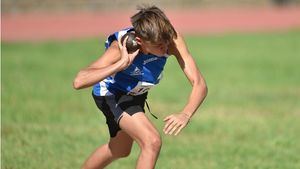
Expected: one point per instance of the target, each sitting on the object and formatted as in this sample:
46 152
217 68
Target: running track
40 27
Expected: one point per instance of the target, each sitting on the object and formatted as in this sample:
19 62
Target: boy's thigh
138 126
121 143
114 106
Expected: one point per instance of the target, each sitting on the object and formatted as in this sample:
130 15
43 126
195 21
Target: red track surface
39 27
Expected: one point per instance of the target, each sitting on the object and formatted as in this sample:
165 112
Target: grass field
250 119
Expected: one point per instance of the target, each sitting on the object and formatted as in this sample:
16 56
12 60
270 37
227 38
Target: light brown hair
151 24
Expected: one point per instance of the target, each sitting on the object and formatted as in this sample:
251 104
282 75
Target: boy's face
159 49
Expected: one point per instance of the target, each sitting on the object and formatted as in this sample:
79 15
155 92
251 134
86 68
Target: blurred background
50 20
15 6
247 50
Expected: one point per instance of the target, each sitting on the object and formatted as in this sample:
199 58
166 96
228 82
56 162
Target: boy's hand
126 58
175 122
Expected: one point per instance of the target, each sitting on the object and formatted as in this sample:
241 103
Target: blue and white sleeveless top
144 73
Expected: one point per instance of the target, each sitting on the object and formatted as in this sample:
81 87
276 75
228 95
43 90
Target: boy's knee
152 142
155 144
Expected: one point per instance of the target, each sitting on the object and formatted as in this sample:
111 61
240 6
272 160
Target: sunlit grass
250 118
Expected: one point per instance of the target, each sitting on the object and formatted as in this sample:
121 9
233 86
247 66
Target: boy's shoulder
117 35
122 32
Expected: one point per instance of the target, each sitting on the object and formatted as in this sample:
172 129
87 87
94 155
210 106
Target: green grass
249 120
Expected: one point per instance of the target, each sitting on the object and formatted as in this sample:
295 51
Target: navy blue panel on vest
144 73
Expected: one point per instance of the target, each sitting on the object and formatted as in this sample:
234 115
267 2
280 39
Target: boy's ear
138 40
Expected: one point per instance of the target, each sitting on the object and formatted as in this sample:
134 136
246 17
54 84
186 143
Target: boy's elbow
202 85
205 89
76 84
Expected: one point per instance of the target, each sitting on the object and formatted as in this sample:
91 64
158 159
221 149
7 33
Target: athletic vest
144 73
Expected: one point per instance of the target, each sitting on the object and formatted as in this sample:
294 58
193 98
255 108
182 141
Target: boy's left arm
176 122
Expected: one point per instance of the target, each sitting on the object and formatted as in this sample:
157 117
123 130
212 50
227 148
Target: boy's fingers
120 43
179 129
174 128
167 125
167 118
124 42
136 52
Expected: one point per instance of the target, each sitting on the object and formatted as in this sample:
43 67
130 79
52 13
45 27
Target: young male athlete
121 82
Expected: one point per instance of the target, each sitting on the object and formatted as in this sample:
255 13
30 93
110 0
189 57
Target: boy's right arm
111 62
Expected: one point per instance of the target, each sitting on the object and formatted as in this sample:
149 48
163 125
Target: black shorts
113 106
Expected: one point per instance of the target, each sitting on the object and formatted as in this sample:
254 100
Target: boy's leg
144 133
118 147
